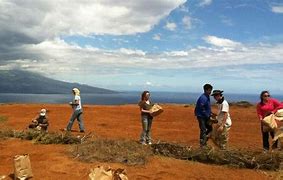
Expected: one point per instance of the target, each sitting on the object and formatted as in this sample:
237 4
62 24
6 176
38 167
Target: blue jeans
146 121
77 114
205 129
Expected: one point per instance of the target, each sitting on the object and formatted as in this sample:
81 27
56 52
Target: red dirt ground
176 124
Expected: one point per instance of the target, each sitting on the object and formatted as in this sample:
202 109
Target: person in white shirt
221 130
77 111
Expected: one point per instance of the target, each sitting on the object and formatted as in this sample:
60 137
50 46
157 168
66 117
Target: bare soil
176 124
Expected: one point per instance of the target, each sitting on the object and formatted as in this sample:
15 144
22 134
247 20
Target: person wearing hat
203 113
77 111
40 122
266 107
221 129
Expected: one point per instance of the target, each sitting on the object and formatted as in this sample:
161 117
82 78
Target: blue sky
158 45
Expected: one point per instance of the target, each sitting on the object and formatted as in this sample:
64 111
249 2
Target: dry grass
232 158
41 137
3 118
132 153
106 150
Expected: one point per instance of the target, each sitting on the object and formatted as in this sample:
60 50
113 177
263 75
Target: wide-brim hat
216 92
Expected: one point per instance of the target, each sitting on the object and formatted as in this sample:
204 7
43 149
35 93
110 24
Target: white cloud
50 56
277 9
187 22
48 19
221 42
170 26
205 2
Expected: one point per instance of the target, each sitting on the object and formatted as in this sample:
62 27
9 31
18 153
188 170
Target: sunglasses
266 95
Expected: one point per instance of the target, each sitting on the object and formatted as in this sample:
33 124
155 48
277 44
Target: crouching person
224 122
40 122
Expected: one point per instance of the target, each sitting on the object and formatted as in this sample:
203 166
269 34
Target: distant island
18 81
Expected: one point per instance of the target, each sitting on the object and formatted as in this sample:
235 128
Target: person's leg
148 130
202 135
144 122
208 126
275 144
224 136
80 121
265 137
71 121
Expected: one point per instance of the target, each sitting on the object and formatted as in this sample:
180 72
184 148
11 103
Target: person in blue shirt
203 113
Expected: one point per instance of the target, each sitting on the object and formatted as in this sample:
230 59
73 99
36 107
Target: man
203 113
221 129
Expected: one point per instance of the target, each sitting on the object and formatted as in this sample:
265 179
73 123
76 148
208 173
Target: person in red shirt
265 107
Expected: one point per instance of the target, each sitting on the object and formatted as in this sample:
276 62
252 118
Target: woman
77 111
224 123
145 104
265 107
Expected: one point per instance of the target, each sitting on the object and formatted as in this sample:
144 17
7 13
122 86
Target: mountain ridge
19 81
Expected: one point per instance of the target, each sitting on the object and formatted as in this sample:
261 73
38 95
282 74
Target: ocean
122 98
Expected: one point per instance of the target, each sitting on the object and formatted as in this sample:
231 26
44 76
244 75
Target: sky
155 45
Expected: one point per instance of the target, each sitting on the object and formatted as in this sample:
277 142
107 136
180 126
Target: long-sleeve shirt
271 106
203 108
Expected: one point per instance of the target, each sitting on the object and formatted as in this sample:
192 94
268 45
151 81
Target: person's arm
203 107
259 112
277 105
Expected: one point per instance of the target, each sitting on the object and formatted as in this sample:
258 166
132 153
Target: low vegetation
233 158
91 149
107 150
3 118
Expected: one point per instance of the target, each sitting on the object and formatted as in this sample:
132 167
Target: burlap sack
101 173
270 121
22 167
155 110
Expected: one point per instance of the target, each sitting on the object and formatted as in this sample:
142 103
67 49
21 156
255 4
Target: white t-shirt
78 99
224 107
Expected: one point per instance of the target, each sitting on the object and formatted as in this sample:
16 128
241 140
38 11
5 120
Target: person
146 119
40 122
77 111
265 107
203 113
224 122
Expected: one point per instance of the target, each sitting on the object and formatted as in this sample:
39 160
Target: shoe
265 151
143 143
149 143
82 131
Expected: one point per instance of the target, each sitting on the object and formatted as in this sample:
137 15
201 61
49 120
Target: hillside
17 81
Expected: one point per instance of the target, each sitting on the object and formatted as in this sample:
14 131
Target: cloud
40 20
170 26
26 24
205 2
157 37
221 42
62 59
187 22
277 9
